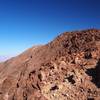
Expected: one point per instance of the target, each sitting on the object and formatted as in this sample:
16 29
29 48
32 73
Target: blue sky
24 23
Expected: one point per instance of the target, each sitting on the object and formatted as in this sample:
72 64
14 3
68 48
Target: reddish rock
67 68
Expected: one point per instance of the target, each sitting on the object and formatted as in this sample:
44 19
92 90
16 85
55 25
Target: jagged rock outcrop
67 68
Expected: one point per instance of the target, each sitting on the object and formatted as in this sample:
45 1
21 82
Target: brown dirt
67 68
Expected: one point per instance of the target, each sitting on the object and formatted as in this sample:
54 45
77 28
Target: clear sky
24 23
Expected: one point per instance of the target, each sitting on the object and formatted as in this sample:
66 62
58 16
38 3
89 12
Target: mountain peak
67 68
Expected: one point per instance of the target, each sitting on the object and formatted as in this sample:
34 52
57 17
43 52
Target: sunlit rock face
67 68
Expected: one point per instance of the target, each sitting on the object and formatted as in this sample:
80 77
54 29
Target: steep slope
67 68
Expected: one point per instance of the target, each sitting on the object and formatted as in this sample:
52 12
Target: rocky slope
67 68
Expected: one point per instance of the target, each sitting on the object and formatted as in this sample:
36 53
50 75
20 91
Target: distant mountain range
4 58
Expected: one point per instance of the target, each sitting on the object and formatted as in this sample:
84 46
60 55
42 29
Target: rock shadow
95 73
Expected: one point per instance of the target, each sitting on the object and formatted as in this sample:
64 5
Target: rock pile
67 68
